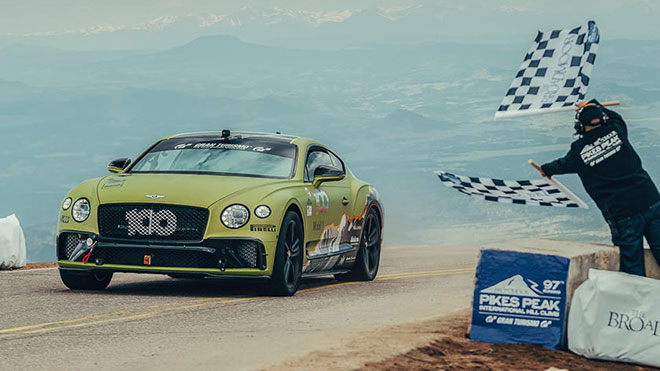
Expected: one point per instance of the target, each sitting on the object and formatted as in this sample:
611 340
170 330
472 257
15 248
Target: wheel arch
379 211
293 205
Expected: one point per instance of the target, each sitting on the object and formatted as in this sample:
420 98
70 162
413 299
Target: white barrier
12 243
616 316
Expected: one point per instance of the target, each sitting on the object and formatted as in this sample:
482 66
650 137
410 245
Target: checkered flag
540 192
554 74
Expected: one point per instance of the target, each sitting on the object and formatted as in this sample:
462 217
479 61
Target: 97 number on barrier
551 285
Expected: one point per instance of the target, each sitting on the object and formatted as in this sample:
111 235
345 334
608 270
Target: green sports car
223 204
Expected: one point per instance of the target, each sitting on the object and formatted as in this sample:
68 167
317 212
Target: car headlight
262 211
67 203
80 210
235 216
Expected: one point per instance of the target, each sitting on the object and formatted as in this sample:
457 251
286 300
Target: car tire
368 256
287 268
85 280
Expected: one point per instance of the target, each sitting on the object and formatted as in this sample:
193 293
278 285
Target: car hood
178 189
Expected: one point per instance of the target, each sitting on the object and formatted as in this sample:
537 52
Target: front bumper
213 256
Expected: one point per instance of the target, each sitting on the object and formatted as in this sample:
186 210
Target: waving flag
554 74
540 192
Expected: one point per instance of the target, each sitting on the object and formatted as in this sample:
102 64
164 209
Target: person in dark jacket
612 174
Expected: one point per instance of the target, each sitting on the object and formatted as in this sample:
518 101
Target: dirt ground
37 265
454 351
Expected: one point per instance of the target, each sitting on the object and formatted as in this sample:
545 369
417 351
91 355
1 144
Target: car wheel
287 270
368 256
85 280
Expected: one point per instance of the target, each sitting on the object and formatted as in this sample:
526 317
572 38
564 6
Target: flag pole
536 166
561 187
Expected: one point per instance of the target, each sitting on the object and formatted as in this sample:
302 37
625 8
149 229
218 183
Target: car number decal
147 222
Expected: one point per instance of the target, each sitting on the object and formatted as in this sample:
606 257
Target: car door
327 205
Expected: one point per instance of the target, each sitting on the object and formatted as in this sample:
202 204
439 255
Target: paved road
156 322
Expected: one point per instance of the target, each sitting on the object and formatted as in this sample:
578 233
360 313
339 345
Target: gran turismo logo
261 149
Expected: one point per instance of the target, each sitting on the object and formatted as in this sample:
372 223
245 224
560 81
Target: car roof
244 134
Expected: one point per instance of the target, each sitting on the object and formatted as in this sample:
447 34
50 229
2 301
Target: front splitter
213 272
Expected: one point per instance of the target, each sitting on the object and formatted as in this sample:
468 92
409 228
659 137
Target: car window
319 157
240 157
314 160
336 162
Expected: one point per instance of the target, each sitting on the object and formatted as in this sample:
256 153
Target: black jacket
610 170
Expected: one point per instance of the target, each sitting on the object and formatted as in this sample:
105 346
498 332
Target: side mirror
325 173
118 165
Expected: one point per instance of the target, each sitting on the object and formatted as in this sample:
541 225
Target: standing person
612 174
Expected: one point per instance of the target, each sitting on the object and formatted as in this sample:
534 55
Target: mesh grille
247 250
68 243
159 257
233 253
153 222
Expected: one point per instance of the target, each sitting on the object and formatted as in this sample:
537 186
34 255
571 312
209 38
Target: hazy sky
619 19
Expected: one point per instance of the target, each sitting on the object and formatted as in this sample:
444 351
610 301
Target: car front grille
152 222
211 253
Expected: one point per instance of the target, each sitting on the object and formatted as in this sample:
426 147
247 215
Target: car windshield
242 157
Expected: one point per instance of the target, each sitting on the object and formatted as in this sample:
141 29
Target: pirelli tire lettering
263 228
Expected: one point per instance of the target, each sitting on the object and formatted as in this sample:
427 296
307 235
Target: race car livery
222 204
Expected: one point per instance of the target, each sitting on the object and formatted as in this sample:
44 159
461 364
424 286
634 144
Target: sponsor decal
552 86
634 321
262 228
261 149
147 222
147 260
322 200
217 145
601 149
309 210
64 218
237 143
222 145
317 226
519 297
340 238
155 197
